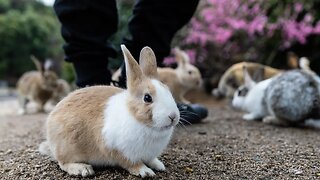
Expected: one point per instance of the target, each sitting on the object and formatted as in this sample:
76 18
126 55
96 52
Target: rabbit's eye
243 92
190 72
147 98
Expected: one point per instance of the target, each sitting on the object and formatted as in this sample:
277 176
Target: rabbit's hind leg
275 121
23 101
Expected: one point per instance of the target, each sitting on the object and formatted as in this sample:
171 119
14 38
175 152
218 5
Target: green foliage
68 72
124 13
4 5
29 29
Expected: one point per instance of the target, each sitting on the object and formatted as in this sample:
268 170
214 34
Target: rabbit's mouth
163 128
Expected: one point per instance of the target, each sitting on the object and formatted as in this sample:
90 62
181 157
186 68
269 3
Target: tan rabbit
105 125
37 86
233 77
182 79
62 90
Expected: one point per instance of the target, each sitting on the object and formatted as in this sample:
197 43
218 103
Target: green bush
24 32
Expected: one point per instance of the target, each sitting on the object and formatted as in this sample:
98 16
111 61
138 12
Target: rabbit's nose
172 116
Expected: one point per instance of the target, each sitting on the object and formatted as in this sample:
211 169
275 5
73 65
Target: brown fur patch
74 126
141 110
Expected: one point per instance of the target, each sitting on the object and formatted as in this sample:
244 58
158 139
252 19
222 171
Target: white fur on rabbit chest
134 140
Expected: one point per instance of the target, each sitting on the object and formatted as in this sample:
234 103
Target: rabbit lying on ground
105 125
233 77
290 98
37 86
182 79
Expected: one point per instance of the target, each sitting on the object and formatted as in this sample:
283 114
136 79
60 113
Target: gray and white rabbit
289 98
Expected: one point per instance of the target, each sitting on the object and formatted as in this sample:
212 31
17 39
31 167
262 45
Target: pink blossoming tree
226 31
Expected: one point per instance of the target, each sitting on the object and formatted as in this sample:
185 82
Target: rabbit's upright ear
148 62
133 71
248 82
292 60
48 64
38 64
258 74
181 57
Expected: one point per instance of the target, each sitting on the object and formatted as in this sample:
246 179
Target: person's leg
153 24
86 27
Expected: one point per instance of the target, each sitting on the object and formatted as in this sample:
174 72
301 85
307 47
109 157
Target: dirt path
223 147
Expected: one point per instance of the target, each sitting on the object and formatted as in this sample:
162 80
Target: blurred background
220 34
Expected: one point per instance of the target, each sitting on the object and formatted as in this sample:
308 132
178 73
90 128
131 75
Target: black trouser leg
154 23
86 27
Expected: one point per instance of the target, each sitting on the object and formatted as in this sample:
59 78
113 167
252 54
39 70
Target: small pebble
218 157
202 133
189 170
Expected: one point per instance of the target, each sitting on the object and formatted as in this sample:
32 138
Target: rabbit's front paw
21 111
249 117
81 169
142 171
156 164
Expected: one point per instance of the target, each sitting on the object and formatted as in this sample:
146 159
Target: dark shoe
121 83
192 113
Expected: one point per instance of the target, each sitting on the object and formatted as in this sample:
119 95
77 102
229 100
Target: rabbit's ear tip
146 47
123 47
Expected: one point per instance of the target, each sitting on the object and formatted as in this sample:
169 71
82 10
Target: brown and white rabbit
62 90
233 77
182 79
105 125
37 86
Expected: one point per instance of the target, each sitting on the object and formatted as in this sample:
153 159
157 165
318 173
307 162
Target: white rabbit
290 98
249 97
105 125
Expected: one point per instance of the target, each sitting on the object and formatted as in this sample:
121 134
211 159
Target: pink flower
256 25
192 55
308 18
271 28
316 29
236 23
298 7
222 23
222 36
208 15
169 60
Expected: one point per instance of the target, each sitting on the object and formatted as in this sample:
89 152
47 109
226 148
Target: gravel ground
222 147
